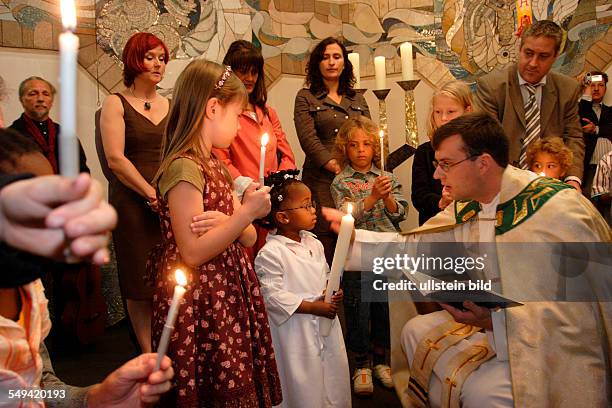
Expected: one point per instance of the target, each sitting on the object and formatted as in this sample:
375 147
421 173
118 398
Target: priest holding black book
506 357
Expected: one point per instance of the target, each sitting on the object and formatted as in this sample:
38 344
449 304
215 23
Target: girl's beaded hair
279 183
347 130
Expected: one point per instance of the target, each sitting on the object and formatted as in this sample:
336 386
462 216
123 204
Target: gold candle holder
412 136
381 95
404 152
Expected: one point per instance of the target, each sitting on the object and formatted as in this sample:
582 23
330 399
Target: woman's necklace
147 103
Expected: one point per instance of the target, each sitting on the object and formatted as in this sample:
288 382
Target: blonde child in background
221 345
549 157
449 102
293 273
378 205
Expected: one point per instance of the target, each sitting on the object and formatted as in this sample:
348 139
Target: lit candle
262 159
179 292
354 58
381 73
542 174
407 68
381 135
69 48
337 267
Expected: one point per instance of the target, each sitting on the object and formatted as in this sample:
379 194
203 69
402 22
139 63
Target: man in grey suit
531 102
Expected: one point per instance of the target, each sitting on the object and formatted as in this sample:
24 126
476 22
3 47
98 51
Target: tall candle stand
404 152
412 137
381 95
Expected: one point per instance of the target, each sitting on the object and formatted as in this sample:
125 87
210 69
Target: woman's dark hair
244 56
280 182
13 146
314 78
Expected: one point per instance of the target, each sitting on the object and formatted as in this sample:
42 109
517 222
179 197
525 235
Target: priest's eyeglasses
445 166
308 206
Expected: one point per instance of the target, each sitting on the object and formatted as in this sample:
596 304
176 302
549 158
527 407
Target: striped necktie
532 123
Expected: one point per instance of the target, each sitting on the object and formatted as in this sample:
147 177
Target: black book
457 291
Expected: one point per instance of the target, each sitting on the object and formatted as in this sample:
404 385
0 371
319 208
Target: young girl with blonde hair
221 346
447 103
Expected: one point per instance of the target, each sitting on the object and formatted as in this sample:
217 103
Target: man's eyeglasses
308 206
445 166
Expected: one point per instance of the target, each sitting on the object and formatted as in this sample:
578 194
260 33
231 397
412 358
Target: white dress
313 369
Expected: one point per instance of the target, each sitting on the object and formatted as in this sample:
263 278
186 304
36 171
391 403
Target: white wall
19 64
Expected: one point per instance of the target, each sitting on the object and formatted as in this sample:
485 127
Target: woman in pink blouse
242 157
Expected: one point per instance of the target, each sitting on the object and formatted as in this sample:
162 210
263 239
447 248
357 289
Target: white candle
262 159
407 68
381 72
381 135
354 58
337 267
179 292
69 48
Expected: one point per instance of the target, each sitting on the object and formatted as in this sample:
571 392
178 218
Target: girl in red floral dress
221 347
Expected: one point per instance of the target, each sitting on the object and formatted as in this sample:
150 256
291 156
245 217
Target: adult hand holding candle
179 292
407 67
340 254
69 48
380 71
262 159
354 58
381 135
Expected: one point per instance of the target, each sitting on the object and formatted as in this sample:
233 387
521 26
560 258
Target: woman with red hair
132 123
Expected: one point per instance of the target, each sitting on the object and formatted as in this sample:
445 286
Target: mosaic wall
460 38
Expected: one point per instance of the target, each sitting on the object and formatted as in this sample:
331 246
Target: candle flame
264 139
180 278
381 133
349 208
68 11
543 174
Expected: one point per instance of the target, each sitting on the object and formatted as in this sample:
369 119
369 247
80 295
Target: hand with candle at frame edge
39 214
134 384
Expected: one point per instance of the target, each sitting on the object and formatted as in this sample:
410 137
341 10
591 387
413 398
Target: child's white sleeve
280 303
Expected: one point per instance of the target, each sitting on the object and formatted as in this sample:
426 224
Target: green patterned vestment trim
516 210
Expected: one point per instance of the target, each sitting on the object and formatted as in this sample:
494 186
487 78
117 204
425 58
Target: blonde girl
221 346
447 103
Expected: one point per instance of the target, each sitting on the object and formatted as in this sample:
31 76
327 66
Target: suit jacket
499 94
585 110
